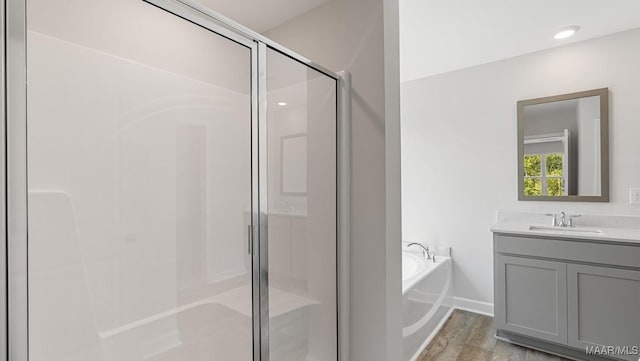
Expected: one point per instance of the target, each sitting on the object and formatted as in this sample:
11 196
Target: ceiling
262 15
438 36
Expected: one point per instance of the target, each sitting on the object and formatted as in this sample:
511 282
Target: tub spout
425 250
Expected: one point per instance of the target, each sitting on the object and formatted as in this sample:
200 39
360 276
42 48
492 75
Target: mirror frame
603 93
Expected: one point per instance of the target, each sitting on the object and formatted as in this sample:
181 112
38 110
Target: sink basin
568 230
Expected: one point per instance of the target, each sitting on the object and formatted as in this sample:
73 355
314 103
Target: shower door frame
14 315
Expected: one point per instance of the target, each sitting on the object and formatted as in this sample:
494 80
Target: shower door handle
250 239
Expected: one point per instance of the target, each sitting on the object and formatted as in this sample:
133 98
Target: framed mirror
563 147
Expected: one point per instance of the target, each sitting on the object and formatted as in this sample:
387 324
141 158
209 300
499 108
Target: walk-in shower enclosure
171 187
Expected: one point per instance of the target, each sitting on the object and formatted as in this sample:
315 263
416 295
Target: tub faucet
425 250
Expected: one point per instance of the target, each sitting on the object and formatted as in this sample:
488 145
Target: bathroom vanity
566 290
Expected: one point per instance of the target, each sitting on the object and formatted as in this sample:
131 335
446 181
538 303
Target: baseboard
465 304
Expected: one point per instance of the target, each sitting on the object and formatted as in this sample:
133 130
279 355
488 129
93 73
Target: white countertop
624 229
607 235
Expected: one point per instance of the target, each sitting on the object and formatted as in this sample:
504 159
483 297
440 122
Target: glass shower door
301 130
139 186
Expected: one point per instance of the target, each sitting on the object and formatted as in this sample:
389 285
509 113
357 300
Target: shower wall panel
139 186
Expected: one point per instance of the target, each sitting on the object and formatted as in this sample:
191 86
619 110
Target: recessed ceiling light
282 104
566 32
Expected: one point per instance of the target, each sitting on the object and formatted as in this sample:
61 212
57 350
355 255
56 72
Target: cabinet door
603 307
531 297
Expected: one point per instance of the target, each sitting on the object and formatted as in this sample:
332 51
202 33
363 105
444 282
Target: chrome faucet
563 219
572 222
425 250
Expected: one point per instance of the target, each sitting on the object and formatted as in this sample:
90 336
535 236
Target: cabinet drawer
569 250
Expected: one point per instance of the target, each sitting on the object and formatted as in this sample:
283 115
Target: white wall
459 146
360 36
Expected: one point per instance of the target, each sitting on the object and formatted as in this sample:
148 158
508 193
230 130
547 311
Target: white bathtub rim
427 267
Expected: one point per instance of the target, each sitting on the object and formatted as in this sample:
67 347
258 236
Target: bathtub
426 300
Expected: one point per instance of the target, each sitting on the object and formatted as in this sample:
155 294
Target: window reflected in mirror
548 183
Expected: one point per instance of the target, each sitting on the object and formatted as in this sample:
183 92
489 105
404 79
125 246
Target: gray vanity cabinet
604 306
533 297
568 295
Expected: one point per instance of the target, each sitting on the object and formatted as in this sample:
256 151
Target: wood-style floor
468 336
